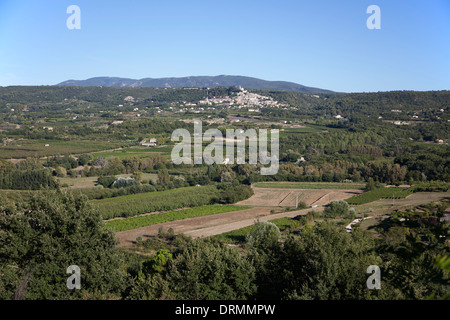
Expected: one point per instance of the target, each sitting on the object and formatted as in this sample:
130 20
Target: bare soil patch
276 197
128 237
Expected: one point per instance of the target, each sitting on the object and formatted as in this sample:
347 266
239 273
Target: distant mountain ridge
197 81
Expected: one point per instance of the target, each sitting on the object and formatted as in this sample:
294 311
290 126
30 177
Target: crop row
151 219
380 193
135 204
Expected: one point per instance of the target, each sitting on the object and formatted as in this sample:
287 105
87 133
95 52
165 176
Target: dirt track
208 225
126 238
228 221
211 231
264 200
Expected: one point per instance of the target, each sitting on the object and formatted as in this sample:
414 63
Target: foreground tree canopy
41 238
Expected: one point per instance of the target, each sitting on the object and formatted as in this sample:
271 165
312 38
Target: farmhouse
150 143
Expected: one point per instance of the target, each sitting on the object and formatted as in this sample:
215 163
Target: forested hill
394 105
199 82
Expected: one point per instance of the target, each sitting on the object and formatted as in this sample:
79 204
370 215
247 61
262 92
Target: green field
309 185
125 155
381 193
239 236
135 204
37 148
291 131
151 219
78 182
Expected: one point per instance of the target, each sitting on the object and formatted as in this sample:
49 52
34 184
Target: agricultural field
279 197
132 205
154 189
149 177
380 193
133 152
78 182
383 207
156 218
21 149
303 130
197 227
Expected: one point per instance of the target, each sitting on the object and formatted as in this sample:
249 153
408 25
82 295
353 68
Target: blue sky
321 43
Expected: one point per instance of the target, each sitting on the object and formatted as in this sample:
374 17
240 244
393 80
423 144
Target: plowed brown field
276 197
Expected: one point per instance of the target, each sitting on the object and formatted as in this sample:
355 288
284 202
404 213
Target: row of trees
101 166
27 180
25 175
340 171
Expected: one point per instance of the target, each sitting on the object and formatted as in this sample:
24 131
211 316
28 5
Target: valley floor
224 222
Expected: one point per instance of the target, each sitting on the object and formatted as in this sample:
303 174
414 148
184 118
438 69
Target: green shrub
235 194
264 237
106 181
337 209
